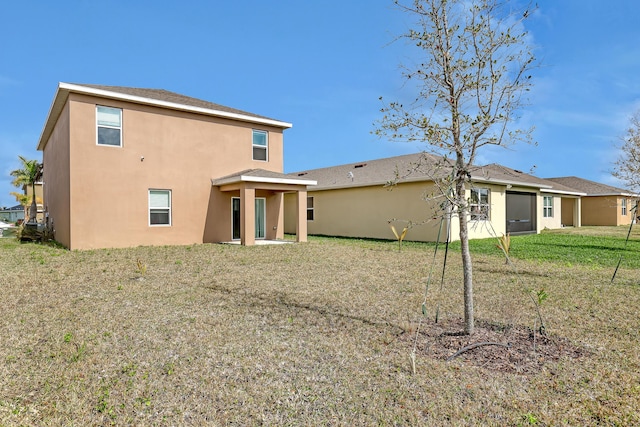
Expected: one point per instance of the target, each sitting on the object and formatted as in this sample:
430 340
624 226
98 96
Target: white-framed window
260 145
159 207
310 211
109 126
479 204
624 207
547 206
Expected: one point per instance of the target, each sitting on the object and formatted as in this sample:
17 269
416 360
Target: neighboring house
602 204
12 214
352 200
129 166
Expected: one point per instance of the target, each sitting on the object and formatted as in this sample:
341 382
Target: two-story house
129 166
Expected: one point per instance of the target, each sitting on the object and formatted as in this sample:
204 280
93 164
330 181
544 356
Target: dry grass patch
304 334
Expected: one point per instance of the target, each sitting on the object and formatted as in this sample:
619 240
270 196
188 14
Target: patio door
260 220
235 218
261 210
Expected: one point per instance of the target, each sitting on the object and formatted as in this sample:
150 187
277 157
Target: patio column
577 212
301 224
247 216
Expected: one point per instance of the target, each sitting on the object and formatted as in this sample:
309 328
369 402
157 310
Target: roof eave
262 180
568 193
59 100
612 194
62 93
509 182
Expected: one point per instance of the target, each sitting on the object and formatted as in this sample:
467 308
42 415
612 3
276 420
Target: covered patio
257 205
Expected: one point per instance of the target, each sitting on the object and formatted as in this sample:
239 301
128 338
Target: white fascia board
48 124
172 105
267 180
568 193
262 179
513 183
613 194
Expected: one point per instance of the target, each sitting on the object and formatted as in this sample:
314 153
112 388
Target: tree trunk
33 210
467 269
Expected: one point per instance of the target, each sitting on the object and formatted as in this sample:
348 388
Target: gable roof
591 188
419 167
156 97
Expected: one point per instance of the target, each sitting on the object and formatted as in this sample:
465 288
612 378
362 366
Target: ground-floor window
310 212
159 207
624 207
479 205
547 207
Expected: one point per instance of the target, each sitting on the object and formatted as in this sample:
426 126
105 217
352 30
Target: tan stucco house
129 166
601 204
353 200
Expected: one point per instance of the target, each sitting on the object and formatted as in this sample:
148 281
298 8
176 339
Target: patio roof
261 176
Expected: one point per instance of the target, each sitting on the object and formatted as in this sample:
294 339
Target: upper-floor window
159 207
260 145
479 205
310 212
624 207
547 207
109 122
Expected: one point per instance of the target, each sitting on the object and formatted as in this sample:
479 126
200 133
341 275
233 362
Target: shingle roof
418 167
502 174
410 167
167 96
591 188
156 97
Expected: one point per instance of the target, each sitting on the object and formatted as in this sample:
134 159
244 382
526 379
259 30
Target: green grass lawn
315 334
590 246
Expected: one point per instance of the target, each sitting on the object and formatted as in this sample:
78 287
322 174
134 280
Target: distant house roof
591 188
157 97
14 208
411 167
261 176
419 167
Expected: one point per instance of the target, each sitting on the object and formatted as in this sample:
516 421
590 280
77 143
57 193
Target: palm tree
29 174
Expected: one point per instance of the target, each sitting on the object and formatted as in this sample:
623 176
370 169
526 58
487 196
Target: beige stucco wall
107 187
567 214
366 212
56 179
605 210
551 222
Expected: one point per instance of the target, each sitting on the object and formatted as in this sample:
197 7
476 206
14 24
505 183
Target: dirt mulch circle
511 350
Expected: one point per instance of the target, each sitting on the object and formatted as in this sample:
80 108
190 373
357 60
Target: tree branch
476 345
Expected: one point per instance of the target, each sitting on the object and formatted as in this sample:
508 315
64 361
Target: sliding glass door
260 220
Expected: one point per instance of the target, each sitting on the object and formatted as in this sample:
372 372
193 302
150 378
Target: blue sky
321 65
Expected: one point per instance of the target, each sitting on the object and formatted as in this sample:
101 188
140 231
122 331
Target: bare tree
627 167
470 75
